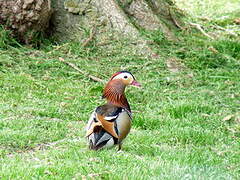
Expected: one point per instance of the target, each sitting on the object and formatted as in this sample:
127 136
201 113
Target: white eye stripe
123 76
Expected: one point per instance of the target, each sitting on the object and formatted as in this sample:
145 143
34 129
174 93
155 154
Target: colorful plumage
110 123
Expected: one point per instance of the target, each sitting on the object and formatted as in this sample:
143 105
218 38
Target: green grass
209 8
179 131
217 17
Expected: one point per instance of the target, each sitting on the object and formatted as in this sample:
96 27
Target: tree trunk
124 16
75 19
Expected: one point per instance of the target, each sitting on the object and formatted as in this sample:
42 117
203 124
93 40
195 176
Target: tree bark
25 17
124 16
74 19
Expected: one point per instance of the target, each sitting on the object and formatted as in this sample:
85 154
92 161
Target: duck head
114 90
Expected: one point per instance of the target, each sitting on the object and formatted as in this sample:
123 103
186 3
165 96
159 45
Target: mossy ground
186 124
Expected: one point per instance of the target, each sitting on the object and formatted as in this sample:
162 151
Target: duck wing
107 126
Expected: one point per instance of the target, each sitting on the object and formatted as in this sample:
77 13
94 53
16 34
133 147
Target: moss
76 6
71 3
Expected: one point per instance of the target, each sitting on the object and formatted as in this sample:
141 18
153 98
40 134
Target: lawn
186 117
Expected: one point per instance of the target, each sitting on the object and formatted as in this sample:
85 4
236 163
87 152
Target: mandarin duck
110 123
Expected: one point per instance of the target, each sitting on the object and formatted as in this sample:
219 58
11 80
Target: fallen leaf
238 119
237 21
174 65
190 75
232 96
84 177
205 115
213 49
45 78
227 118
63 104
69 97
94 175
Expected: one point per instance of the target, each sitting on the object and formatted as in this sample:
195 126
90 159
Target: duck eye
125 77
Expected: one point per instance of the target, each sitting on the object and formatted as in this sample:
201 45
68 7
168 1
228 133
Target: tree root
94 78
174 20
223 29
91 36
198 27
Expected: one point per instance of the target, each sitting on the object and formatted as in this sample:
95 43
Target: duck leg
119 146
